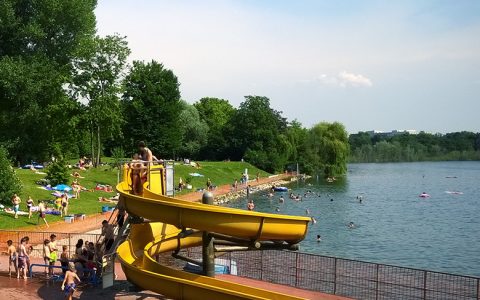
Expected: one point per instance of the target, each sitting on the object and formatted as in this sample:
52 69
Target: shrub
57 173
9 182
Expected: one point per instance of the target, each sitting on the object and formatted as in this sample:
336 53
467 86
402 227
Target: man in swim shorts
16 204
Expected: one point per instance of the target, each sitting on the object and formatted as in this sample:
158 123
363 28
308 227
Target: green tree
327 149
257 134
297 136
216 113
9 182
97 83
53 29
57 172
194 131
38 40
151 106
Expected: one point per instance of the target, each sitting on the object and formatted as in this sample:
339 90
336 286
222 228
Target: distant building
391 133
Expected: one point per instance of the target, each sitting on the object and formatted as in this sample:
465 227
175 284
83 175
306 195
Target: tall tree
327 149
97 84
38 40
216 113
53 29
151 106
257 134
194 131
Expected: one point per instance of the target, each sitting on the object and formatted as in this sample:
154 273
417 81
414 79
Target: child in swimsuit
22 258
68 284
64 259
12 254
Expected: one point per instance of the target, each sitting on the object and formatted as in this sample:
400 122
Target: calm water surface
394 225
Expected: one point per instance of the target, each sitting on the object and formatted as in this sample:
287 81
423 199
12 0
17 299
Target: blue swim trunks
69 289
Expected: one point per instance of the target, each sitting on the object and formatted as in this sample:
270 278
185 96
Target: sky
371 65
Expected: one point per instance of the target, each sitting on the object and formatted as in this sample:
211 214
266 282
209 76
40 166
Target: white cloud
345 79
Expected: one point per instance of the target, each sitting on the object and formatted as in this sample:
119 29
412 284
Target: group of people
84 262
61 205
19 258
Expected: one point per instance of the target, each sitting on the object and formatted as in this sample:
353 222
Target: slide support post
208 254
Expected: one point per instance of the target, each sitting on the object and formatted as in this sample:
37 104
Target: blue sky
368 64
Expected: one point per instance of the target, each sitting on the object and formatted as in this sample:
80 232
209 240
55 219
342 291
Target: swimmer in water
331 200
314 221
277 209
351 225
250 205
281 200
307 211
319 238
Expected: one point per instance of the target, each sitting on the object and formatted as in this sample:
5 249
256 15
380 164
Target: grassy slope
88 202
219 172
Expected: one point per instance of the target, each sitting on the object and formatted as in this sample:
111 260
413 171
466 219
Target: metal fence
349 278
37 238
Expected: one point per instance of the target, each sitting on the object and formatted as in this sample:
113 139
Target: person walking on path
42 213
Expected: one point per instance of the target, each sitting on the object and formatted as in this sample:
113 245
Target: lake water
393 224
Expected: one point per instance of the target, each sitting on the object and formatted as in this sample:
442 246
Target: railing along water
349 278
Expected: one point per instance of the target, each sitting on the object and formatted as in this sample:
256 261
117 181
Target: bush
9 182
57 173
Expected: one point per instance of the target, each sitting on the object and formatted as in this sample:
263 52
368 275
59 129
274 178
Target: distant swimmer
281 200
331 199
277 209
351 225
319 238
314 221
307 211
424 195
250 205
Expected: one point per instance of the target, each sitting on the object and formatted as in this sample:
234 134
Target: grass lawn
88 202
220 173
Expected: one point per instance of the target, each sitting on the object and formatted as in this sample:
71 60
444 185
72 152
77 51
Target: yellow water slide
163 233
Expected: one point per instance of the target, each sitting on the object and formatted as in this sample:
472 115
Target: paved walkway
227 188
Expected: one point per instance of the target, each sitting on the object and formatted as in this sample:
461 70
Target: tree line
366 147
66 92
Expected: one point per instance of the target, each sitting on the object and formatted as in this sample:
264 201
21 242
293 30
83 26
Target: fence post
335 276
478 288
376 281
296 269
425 284
261 265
